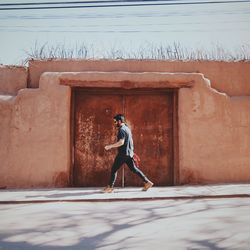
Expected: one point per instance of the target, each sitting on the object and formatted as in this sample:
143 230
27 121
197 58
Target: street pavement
210 217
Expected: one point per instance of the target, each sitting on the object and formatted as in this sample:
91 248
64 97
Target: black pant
121 159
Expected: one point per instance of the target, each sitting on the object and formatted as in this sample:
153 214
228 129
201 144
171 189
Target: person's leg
119 160
131 164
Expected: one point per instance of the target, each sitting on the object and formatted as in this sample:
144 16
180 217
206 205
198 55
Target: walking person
125 154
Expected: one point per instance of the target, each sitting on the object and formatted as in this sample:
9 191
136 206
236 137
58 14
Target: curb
196 197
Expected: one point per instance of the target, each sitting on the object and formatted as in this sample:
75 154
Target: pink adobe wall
12 79
34 147
214 129
214 136
229 77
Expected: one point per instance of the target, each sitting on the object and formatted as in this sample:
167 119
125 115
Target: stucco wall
214 136
34 138
231 78
12 79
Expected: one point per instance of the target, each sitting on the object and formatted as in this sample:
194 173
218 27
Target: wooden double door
150 117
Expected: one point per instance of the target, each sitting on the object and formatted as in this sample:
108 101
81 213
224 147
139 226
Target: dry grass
173 51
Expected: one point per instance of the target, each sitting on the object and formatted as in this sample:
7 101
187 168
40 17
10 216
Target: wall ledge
128 80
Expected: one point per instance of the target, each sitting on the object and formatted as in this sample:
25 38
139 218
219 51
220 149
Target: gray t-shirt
127 148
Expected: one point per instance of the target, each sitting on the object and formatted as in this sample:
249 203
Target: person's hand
108 147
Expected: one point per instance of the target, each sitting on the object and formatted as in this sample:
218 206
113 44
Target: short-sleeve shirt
127 148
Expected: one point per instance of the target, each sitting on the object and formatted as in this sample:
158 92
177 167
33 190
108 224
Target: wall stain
190 177
61 179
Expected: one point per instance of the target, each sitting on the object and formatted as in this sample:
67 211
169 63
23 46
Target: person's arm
115 145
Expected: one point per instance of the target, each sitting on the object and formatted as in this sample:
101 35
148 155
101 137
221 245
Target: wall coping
127 80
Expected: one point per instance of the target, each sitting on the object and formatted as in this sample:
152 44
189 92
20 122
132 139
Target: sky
125 28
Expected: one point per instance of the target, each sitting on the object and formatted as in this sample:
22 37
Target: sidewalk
15 196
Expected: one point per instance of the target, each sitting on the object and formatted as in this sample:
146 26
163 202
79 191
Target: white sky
123 27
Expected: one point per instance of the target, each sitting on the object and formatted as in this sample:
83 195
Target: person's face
117 123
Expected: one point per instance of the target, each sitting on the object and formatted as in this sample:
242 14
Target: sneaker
147 185
108 189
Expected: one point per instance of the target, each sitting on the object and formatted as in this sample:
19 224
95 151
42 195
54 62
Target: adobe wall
214 136
231 78
34 138
12 79
214 129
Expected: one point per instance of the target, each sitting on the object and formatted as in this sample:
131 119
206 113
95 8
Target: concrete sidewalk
9 196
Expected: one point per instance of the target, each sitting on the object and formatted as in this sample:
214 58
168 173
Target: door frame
120 80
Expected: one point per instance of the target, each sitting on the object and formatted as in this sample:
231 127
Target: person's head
119 119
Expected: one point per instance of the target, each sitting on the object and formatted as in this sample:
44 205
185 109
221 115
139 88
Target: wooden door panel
151 119
94 129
